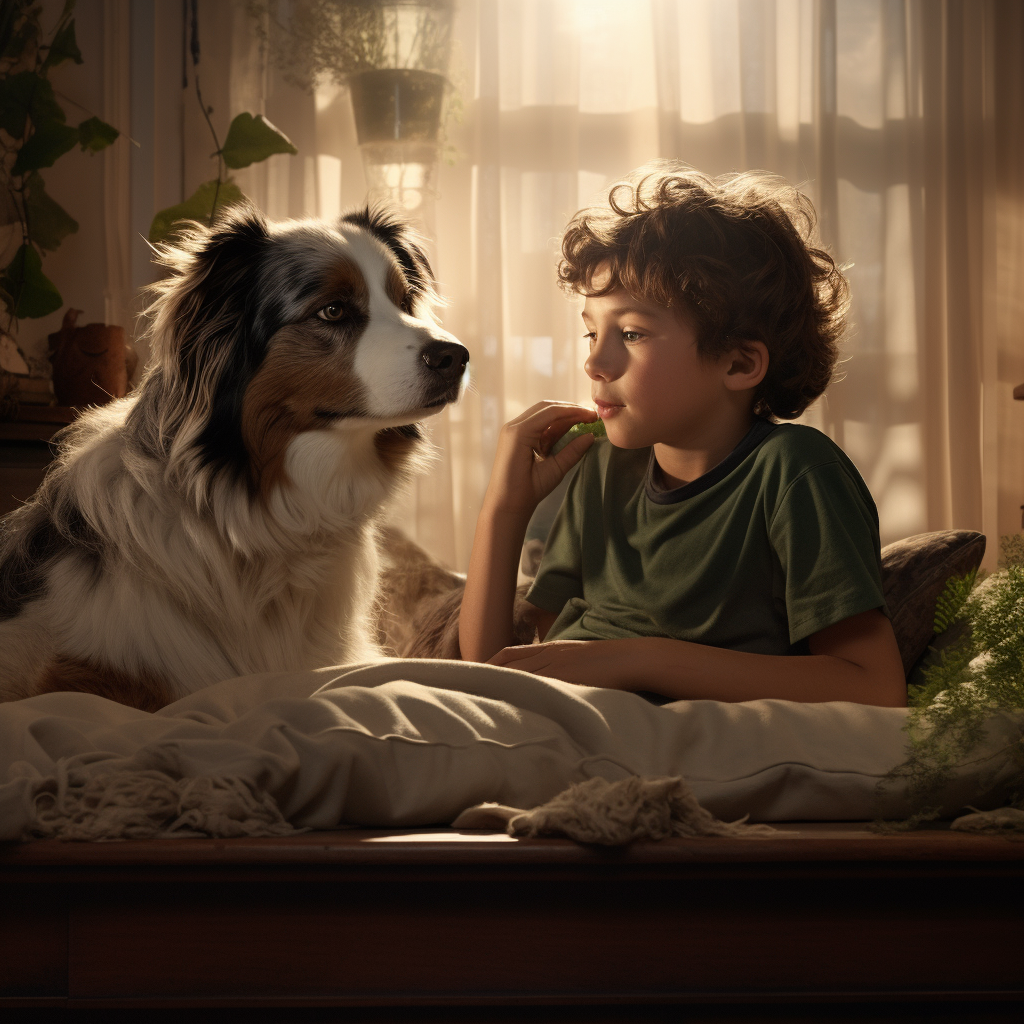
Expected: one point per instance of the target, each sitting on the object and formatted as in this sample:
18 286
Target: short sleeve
560 574
825 536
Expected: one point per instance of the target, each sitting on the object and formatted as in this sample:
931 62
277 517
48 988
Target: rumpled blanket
410 743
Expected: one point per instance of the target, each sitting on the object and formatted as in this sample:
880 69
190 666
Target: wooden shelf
37 422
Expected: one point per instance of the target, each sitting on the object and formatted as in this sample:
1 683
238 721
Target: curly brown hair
736 254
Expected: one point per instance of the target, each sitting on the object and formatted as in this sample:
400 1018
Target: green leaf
251 139
28 289
576 430
63 47
198 206
50 141
95 134
27 94
48 221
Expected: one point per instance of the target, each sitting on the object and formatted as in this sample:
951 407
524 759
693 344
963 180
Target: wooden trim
431 918
800 842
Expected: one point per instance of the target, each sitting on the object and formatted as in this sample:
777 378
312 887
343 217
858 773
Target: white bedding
404 743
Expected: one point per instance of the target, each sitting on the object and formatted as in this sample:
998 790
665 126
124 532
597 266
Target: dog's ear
215 277
211 285
216 300
387 226
210 326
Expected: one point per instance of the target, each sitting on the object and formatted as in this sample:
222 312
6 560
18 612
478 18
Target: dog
221 520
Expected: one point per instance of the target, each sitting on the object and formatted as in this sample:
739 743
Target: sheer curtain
900 118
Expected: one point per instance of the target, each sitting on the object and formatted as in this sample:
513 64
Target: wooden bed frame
431 920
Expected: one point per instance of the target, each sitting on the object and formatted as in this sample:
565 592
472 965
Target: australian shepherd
221 520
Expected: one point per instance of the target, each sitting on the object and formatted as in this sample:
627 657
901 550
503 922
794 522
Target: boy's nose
598 364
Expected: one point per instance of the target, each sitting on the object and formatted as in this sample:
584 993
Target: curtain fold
901 119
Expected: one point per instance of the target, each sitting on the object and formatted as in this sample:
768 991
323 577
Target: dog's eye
335 311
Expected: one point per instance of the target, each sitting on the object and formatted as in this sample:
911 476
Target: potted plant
34 134
392 54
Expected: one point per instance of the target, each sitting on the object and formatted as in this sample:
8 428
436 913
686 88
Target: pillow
416 614
914 572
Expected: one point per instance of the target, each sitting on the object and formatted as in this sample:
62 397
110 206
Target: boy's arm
519 481
854 660
485 620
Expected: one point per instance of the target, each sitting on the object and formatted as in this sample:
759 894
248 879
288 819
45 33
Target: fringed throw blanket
405 743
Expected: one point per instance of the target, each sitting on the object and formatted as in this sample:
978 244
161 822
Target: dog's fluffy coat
221 520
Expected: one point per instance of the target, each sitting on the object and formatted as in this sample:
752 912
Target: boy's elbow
867 643
887 691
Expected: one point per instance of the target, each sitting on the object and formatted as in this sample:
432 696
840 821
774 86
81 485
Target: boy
703 544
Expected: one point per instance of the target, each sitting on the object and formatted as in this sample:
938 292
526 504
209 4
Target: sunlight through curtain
902 119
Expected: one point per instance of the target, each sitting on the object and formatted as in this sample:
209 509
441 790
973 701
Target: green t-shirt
775 543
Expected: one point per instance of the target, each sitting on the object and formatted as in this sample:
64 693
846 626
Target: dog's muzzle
446 363
446 359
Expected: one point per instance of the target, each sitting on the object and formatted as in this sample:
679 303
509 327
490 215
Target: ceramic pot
397 105
91 364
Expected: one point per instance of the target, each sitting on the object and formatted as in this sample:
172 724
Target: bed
518 842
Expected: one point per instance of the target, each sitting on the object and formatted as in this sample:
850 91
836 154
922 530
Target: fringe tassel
1004 821
614 814
76 805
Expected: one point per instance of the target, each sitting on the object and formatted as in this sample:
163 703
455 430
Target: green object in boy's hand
596 428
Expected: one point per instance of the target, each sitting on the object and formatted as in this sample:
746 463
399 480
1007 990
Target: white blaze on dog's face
400 342
358 347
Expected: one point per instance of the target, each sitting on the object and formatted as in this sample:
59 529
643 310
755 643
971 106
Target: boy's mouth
606 409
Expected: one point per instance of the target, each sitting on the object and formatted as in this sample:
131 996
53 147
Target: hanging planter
394 57
398 115
397 105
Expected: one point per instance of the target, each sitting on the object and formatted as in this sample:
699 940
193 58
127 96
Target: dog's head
265 332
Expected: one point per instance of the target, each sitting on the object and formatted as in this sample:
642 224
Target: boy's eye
631 335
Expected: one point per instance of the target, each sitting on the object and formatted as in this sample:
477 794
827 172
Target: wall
79 267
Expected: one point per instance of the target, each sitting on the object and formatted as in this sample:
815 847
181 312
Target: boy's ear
746 365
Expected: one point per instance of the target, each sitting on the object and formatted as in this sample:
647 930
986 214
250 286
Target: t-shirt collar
664 496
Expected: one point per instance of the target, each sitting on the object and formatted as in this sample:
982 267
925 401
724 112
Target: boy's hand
604 663
524 472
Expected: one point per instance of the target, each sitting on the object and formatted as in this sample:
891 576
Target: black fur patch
30 540
229 291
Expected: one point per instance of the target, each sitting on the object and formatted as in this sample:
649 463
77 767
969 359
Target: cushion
404 744
418 602
914 572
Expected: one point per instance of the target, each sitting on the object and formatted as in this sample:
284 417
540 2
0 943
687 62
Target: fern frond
1011 548
980 675
951 671
951 604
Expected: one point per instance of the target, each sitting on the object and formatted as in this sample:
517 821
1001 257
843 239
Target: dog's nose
446 358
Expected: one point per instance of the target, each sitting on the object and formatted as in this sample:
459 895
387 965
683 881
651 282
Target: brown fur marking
142 691
296 379
304 371
393 447
345 283
397 287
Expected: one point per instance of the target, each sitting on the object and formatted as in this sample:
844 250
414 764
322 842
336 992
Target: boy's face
648 382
